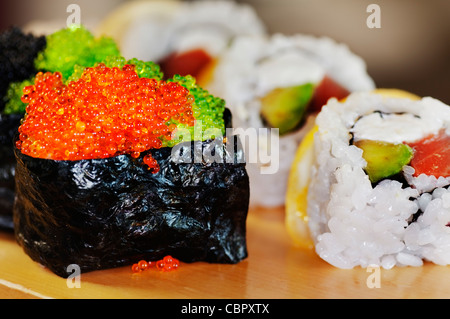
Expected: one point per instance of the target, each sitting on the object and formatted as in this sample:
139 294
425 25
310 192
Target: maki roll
21 57
372 182
182 37
202 31
141 27
104 177
17 54
281 82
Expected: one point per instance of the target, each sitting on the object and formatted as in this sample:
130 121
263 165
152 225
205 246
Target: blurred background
410 51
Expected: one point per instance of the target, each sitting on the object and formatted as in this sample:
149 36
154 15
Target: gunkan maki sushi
21 57
105 178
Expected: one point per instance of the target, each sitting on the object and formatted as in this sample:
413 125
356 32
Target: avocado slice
384 159
284 108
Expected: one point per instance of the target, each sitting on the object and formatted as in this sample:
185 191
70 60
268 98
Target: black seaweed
112 212
9 125
17 54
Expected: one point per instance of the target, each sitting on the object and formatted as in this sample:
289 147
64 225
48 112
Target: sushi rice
255 65
353 222
152 30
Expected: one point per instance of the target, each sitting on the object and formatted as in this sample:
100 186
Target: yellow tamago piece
296 218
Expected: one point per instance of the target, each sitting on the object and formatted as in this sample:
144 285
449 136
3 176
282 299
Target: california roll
371 182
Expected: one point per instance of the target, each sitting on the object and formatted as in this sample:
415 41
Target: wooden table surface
275 269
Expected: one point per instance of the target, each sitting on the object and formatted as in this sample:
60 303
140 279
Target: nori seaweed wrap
187 198
21 57
17 54
8 128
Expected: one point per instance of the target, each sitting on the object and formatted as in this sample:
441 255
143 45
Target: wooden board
274 269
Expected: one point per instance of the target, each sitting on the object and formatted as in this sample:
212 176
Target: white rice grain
354 223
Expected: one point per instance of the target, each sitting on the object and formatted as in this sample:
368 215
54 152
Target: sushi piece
202 31
104 178
17 54
22 56
280 82
183 37
370 185
141 27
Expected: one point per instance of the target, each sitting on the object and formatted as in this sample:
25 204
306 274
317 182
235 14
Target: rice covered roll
202 31
183 37
104 178
281 82
141 27
372 182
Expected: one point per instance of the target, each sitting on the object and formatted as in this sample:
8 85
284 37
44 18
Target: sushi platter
214 160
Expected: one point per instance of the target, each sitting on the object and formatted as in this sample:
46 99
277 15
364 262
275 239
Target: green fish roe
74 46
207 110
13 102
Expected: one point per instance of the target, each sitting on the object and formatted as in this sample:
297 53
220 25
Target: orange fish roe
168 263
105 113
